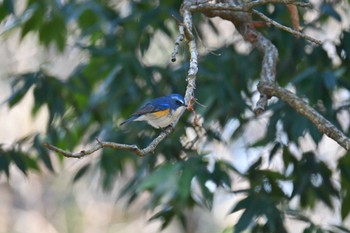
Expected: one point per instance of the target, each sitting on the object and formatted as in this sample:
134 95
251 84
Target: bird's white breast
163 121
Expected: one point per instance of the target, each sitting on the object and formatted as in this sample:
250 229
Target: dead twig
191 108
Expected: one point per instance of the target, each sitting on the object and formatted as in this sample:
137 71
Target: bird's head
176 101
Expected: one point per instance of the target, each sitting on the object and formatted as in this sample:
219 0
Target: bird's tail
128 120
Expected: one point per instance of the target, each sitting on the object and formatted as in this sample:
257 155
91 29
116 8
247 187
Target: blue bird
159 112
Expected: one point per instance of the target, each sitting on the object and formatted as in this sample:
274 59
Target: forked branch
240 17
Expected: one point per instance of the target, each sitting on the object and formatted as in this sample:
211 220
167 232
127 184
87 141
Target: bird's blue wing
150 108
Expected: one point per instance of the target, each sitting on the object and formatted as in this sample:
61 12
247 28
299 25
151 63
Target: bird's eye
178 102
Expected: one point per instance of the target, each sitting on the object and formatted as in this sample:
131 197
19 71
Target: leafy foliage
115 79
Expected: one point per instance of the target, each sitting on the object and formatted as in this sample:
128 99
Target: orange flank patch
161 113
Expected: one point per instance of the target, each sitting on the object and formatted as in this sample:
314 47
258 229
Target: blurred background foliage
123 68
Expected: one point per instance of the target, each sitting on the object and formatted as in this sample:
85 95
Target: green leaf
242 204
57 36
312 181
42 152
4 162
20 85
166 215
274 150
184 183
9 6
82 171
161 176
17 158
112 165
248 215
35 21
145 42
23 161
6 8
220 175
228 230
88 19
344 168
245 220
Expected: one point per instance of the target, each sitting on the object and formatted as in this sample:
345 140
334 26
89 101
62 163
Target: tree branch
299 105
243 23
284 28
248 8
245 7
252 4
185 31
178 40
102 144
267 87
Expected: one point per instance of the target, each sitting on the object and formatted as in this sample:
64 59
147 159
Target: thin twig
178 40
287 29
251 5
261 105
203 44
102 144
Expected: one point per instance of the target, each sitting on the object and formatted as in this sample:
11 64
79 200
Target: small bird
159 112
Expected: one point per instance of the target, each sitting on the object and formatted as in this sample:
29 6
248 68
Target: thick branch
268 66
322 124
243 23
